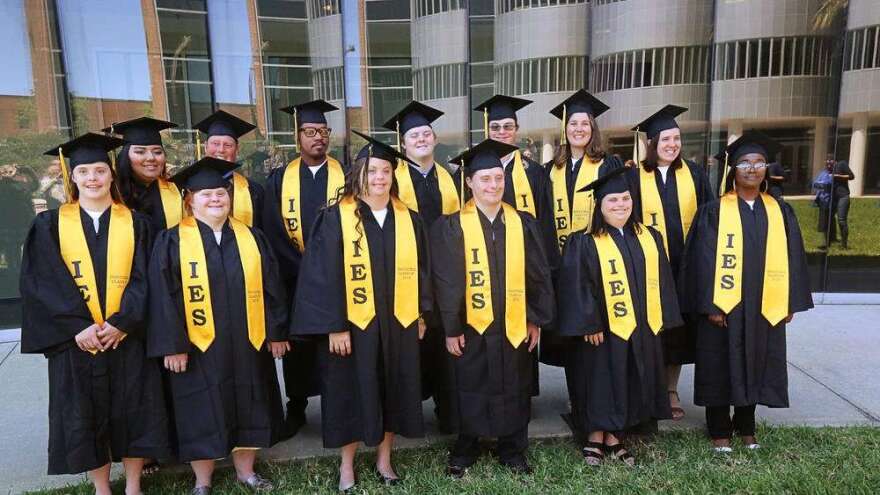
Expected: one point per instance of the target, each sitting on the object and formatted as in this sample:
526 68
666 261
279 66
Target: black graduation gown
147 200
743 364
620 383
554 347
377 388
257 198
679 344
101 407
301 378
228 396
493 381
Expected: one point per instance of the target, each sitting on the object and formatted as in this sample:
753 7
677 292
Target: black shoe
456 471
292 424
520 466
384 480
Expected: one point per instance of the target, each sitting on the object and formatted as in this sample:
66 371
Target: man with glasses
294 194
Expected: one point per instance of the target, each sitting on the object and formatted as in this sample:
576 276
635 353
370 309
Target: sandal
150 467
619 452
677 411
591 457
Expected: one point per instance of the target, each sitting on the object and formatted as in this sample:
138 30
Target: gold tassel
723 176
112 160
485 123
295 131
198 145
564 141
65 176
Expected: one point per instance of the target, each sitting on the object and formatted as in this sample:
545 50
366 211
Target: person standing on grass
494 292
616 294
666 191
744 272
364 284
84 306
217 318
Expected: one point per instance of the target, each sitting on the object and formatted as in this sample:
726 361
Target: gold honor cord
78 259
242 203
290 196
478 286
652 207
172 204
571 219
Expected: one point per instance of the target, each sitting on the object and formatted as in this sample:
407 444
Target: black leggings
722 427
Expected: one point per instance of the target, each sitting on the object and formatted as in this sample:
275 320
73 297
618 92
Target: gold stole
618 300
652 207
290 197
522 190
570 219
76 255
360 301
172 204
478 286
407 193
242 204
197 303
729 257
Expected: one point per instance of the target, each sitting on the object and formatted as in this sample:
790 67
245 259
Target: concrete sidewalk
833 356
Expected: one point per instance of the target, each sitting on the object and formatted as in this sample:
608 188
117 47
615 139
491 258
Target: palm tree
828 12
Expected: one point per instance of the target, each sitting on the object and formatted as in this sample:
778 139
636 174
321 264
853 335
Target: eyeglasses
749 165
311 131
507 127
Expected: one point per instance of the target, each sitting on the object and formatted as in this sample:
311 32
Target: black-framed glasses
749 165
312 131
498 127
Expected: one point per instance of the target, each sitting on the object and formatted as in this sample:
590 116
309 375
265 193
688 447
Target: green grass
793 460
864 227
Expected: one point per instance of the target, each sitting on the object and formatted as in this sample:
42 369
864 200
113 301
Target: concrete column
257 68
154 59
820 146
45 98
857 151
734 130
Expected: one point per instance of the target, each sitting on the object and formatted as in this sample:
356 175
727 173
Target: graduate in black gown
224 130
492 310
141 167
741 313
426 187
666 191
218 313
294 194
365 300
579 160
84 302
616 293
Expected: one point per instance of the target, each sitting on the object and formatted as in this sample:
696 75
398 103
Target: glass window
294 9
199 5
387 9
183 34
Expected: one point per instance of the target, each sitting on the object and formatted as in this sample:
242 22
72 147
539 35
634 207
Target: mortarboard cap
501 107
415 114
87 148
662 120
222 123
207 173
377 149
483 156
310 112
752 142
142 131
581 101
611 182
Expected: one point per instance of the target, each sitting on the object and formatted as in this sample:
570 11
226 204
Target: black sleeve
53 310
274 294
276 234
166 330
800 298
132 315
578 307
540 303
319 304
426 292
542 191
258 198
697 273
668 291
447 267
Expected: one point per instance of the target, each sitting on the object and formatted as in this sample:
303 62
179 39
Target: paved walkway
833 360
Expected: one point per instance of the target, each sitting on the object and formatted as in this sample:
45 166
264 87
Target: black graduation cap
415 114
207 173
484 156
142 131
377 149
752 142
581 101
501 107
310 112
609 183
87 148
662 120
222 123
